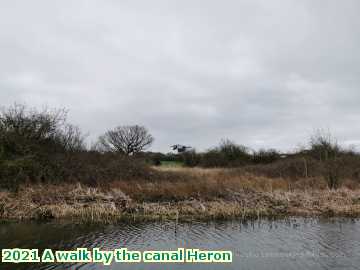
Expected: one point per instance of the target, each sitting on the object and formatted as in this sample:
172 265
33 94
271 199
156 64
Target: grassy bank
48 172
193 195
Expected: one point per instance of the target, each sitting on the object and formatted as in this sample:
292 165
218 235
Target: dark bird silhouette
180 148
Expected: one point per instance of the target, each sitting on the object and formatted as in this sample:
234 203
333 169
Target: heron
180 148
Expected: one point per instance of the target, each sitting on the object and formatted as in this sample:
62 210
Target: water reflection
281 244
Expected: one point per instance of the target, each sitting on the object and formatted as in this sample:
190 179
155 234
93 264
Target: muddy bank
86 204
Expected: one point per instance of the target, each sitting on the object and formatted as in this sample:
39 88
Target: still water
294 243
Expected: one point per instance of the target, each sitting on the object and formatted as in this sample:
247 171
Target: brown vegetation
46 171
193 194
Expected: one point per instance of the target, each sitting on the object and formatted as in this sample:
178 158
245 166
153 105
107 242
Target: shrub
227 154
265 156
190 158
324 148
31 142
97 169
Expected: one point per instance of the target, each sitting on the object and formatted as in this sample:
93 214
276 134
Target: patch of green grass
172 164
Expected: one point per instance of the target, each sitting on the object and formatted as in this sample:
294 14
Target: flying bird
180 148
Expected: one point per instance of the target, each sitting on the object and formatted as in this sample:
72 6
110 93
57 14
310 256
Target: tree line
41 146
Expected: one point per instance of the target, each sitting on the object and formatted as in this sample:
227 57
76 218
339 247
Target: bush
40 146
323 146
325 149
97 169
190 158
31 142
227 154
265 156
291 167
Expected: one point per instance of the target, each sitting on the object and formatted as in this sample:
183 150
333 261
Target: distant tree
226 154
126 139
72 138
323 145
233 151
325 148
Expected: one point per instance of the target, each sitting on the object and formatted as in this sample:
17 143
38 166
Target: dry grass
197 194
207 184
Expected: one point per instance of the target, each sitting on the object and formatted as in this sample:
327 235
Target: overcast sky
262 73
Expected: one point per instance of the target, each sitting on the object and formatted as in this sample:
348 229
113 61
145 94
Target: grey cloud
264 73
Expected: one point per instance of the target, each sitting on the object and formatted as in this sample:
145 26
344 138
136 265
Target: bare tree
126 139
32 124
72 138
325 148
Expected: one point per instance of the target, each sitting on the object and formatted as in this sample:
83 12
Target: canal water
294 243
